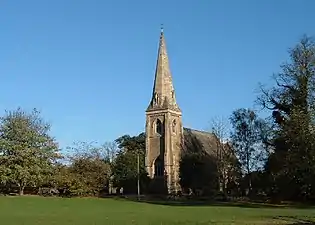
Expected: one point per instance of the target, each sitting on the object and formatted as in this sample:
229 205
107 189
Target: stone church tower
164 129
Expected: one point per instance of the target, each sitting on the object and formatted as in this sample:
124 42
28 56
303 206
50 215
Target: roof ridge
200 131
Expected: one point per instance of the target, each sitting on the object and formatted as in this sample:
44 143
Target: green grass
32 210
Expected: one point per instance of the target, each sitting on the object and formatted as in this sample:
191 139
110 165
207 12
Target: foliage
227 163
134 143
27 152
291 102
89 170
199 172
111 149
125 165
66 182
247 139
125 173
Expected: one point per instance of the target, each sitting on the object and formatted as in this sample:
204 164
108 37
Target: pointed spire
163 95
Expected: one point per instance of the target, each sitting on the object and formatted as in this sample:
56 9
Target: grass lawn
32 210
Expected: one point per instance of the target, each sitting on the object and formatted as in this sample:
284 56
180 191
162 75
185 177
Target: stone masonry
164 130
165 136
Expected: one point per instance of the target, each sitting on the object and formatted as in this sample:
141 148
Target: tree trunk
21 191
249 174
249 184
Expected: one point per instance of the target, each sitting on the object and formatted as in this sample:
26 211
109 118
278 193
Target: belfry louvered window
159 127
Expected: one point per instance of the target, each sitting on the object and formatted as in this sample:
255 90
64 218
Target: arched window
159 127
158 167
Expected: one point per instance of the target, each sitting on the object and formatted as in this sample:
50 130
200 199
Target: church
165 135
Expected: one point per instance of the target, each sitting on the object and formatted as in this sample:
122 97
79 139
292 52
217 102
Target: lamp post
138 159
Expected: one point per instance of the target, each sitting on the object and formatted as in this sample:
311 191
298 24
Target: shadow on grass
214 203
294 220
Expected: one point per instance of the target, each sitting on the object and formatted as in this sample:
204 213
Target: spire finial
162 28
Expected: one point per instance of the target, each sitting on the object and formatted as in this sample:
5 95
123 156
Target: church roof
196 140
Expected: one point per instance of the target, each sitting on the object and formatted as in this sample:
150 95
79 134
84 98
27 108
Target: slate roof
195 140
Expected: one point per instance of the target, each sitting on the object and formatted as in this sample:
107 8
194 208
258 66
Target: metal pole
138 176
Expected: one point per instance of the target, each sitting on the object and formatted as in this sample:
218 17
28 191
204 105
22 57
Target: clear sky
88 65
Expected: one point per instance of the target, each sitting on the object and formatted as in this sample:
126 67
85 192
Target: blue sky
88 65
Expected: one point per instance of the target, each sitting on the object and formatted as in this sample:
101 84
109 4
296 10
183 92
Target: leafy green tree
125 165
134 143
27 151
125 173
199 172
68 183
246 139
89 170
291 102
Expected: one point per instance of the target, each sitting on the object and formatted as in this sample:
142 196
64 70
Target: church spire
163 95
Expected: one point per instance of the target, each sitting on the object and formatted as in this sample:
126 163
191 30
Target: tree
27 151
111 150
291 102
124 167
66 182
134 143
89 169
246 139
226 161
198 172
